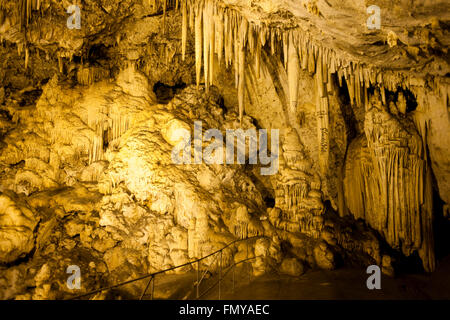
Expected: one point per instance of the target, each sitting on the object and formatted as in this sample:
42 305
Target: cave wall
79 116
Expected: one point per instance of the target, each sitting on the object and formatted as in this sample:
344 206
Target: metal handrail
221 279
152 275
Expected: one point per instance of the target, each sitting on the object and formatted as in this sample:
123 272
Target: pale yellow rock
174 131
17 226
292 267
114 258
262 247
43 275
74 227
392 39
104 244
323 257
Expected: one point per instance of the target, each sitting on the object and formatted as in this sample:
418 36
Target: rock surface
90 119
17 226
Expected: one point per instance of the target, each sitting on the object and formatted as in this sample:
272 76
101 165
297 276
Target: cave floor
341 284
346 283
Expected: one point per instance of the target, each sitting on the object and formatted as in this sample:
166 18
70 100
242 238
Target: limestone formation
91 120
18 224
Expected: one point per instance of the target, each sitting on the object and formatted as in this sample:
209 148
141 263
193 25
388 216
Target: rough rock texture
17 229
292 267
392 163
89 119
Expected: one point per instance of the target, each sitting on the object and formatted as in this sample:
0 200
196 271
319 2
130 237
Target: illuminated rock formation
17 233
90 117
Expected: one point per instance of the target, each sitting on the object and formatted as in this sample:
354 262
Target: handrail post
220 271
145 289
153 287
198 270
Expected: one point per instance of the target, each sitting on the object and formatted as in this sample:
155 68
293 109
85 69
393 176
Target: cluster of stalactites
388 184
107 126
25 9
20 14
294 195
158 5
223 32
87 75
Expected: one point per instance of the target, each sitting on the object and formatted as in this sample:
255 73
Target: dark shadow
30 97
165 93
97 52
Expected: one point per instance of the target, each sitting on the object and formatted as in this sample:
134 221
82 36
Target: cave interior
117 153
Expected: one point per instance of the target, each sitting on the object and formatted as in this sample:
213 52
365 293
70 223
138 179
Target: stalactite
242 43
212 43
285 48
251 40
218 31
220 36
164 15
258 57
198 44
228 40
191 17
294 195
311 59
206 43
184 30
236 51
27 56
272 42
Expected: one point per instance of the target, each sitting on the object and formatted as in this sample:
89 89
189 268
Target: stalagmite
272 42
191 17
311 59
226 35
351 88
325 64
